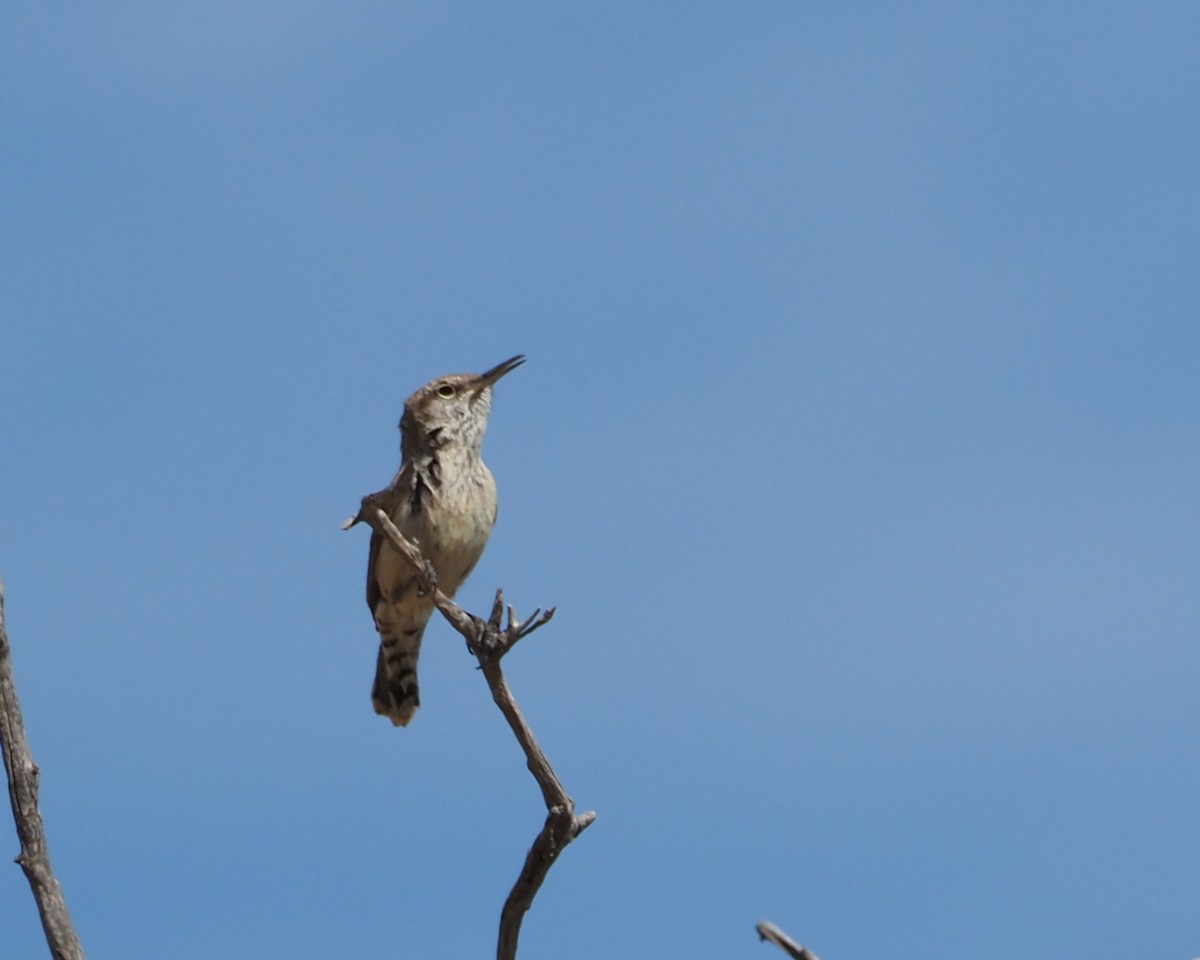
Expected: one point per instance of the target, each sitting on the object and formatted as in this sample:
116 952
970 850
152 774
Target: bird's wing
373 591
389 500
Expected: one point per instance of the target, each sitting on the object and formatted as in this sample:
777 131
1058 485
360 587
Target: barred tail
395 694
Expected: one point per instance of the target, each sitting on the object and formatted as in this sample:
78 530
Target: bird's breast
452 527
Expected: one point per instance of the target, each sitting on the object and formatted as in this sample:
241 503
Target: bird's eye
446 390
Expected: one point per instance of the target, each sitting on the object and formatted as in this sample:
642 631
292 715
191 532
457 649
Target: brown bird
444 498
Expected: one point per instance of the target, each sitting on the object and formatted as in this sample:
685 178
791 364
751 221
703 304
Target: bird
444 498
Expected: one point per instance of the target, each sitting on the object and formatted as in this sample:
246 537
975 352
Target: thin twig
23 774
768 931
489 640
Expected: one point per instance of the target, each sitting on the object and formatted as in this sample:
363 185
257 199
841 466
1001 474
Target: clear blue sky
858 447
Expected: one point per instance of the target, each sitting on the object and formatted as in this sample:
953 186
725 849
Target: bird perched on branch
444 498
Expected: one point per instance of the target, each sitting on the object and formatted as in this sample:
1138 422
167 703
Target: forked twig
768 931
23 775
489 640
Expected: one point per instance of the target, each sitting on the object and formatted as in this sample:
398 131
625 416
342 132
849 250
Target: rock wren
444 498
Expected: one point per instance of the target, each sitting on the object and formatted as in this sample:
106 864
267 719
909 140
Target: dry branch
23 774
768 931
489 640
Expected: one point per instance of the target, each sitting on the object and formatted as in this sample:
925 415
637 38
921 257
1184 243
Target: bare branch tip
769 932
497 614
518 630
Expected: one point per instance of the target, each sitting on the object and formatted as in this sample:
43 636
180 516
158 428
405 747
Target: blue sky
857 447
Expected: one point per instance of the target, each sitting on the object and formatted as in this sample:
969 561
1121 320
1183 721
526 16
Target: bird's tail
395 694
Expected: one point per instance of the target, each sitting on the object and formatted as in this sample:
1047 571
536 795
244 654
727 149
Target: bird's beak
485 380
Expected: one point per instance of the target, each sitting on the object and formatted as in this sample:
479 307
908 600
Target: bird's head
452 409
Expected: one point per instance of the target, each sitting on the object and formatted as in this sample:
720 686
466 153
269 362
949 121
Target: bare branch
489 640
23 776
768 931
